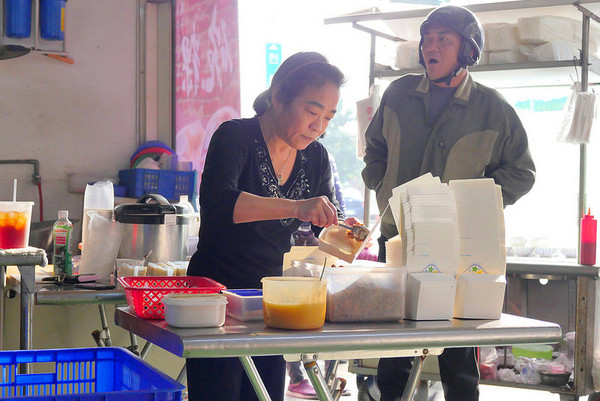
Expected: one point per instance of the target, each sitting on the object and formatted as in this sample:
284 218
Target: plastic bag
579 114
365 110
101 246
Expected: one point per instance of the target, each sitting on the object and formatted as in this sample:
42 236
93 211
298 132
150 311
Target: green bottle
62 232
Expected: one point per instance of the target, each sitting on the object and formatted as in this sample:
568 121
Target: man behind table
444 123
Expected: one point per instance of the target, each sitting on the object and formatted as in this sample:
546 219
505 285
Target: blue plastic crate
94 374
168 183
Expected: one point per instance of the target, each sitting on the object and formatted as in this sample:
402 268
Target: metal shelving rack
530 73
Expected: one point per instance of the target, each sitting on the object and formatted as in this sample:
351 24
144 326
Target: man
444 123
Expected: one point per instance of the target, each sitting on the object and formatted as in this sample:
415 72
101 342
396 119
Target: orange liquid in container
294 316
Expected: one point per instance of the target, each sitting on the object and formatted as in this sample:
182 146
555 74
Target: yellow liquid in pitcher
294 316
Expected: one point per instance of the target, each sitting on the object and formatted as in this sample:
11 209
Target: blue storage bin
168 183
79 374
18 18
52 19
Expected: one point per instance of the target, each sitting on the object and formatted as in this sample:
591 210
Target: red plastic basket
144 294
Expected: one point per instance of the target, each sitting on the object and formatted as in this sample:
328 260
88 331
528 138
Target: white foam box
479 296
430 296
501 36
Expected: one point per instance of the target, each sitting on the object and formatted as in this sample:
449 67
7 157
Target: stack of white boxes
456 231
482 264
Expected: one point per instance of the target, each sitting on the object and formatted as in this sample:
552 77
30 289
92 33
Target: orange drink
15 221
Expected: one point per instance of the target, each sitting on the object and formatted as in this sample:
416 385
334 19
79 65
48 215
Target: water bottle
587 246
62 231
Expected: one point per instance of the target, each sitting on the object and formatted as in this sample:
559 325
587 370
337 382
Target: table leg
316 378
27 305
104 322
413 378
254 376
2 295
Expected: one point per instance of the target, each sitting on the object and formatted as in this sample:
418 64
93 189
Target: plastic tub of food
367 293
294 302
195 310
244 304
542 351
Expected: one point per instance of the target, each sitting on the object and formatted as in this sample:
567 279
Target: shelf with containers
32 25
572 282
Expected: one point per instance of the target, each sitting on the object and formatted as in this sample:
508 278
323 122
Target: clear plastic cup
15 222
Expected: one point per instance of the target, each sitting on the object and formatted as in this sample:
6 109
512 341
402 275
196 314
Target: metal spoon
359 232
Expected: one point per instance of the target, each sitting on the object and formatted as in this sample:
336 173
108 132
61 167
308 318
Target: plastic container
52 19
365 293
144 294
168 183
337 241
294 302
541 351
15 223
18 18
587 246
108 374
244 304
130 268
195 310
62 235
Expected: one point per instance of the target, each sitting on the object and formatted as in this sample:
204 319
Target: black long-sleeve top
239 255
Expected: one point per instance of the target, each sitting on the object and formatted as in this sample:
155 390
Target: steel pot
159 227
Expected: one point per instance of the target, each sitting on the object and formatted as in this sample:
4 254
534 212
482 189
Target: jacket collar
463 92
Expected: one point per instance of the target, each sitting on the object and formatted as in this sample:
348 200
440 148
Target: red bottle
587 247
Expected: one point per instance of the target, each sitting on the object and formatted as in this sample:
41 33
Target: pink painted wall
207 73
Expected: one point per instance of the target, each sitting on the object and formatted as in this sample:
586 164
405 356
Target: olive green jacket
478 135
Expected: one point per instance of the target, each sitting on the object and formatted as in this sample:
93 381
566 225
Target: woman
262 178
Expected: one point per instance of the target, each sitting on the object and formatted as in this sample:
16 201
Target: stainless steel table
26 259
336 341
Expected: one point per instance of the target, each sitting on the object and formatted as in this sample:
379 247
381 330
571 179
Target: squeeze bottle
62 231
587 247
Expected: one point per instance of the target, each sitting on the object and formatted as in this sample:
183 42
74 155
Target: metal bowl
555 379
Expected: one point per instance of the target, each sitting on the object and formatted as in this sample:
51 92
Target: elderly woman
263 177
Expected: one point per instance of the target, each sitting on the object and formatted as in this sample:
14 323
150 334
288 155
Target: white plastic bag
579 114
365 110
101 246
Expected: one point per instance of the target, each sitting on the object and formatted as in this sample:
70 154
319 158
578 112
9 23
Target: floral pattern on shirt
299 188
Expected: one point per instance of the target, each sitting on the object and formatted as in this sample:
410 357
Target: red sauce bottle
587 247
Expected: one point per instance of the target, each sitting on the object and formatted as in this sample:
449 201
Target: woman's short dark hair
297 72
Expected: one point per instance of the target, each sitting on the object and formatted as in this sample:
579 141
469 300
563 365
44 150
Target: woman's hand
319 211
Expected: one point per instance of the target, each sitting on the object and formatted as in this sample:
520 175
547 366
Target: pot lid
143 212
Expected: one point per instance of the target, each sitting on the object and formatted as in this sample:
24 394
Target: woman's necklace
283 166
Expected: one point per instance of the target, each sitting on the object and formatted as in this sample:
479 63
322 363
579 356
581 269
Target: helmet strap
448 78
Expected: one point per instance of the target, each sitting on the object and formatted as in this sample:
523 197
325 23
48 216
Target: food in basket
378 295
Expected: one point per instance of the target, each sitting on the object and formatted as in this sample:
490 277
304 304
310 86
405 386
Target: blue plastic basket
168 183
94 374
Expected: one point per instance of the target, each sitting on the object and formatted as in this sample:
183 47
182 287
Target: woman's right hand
319 211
